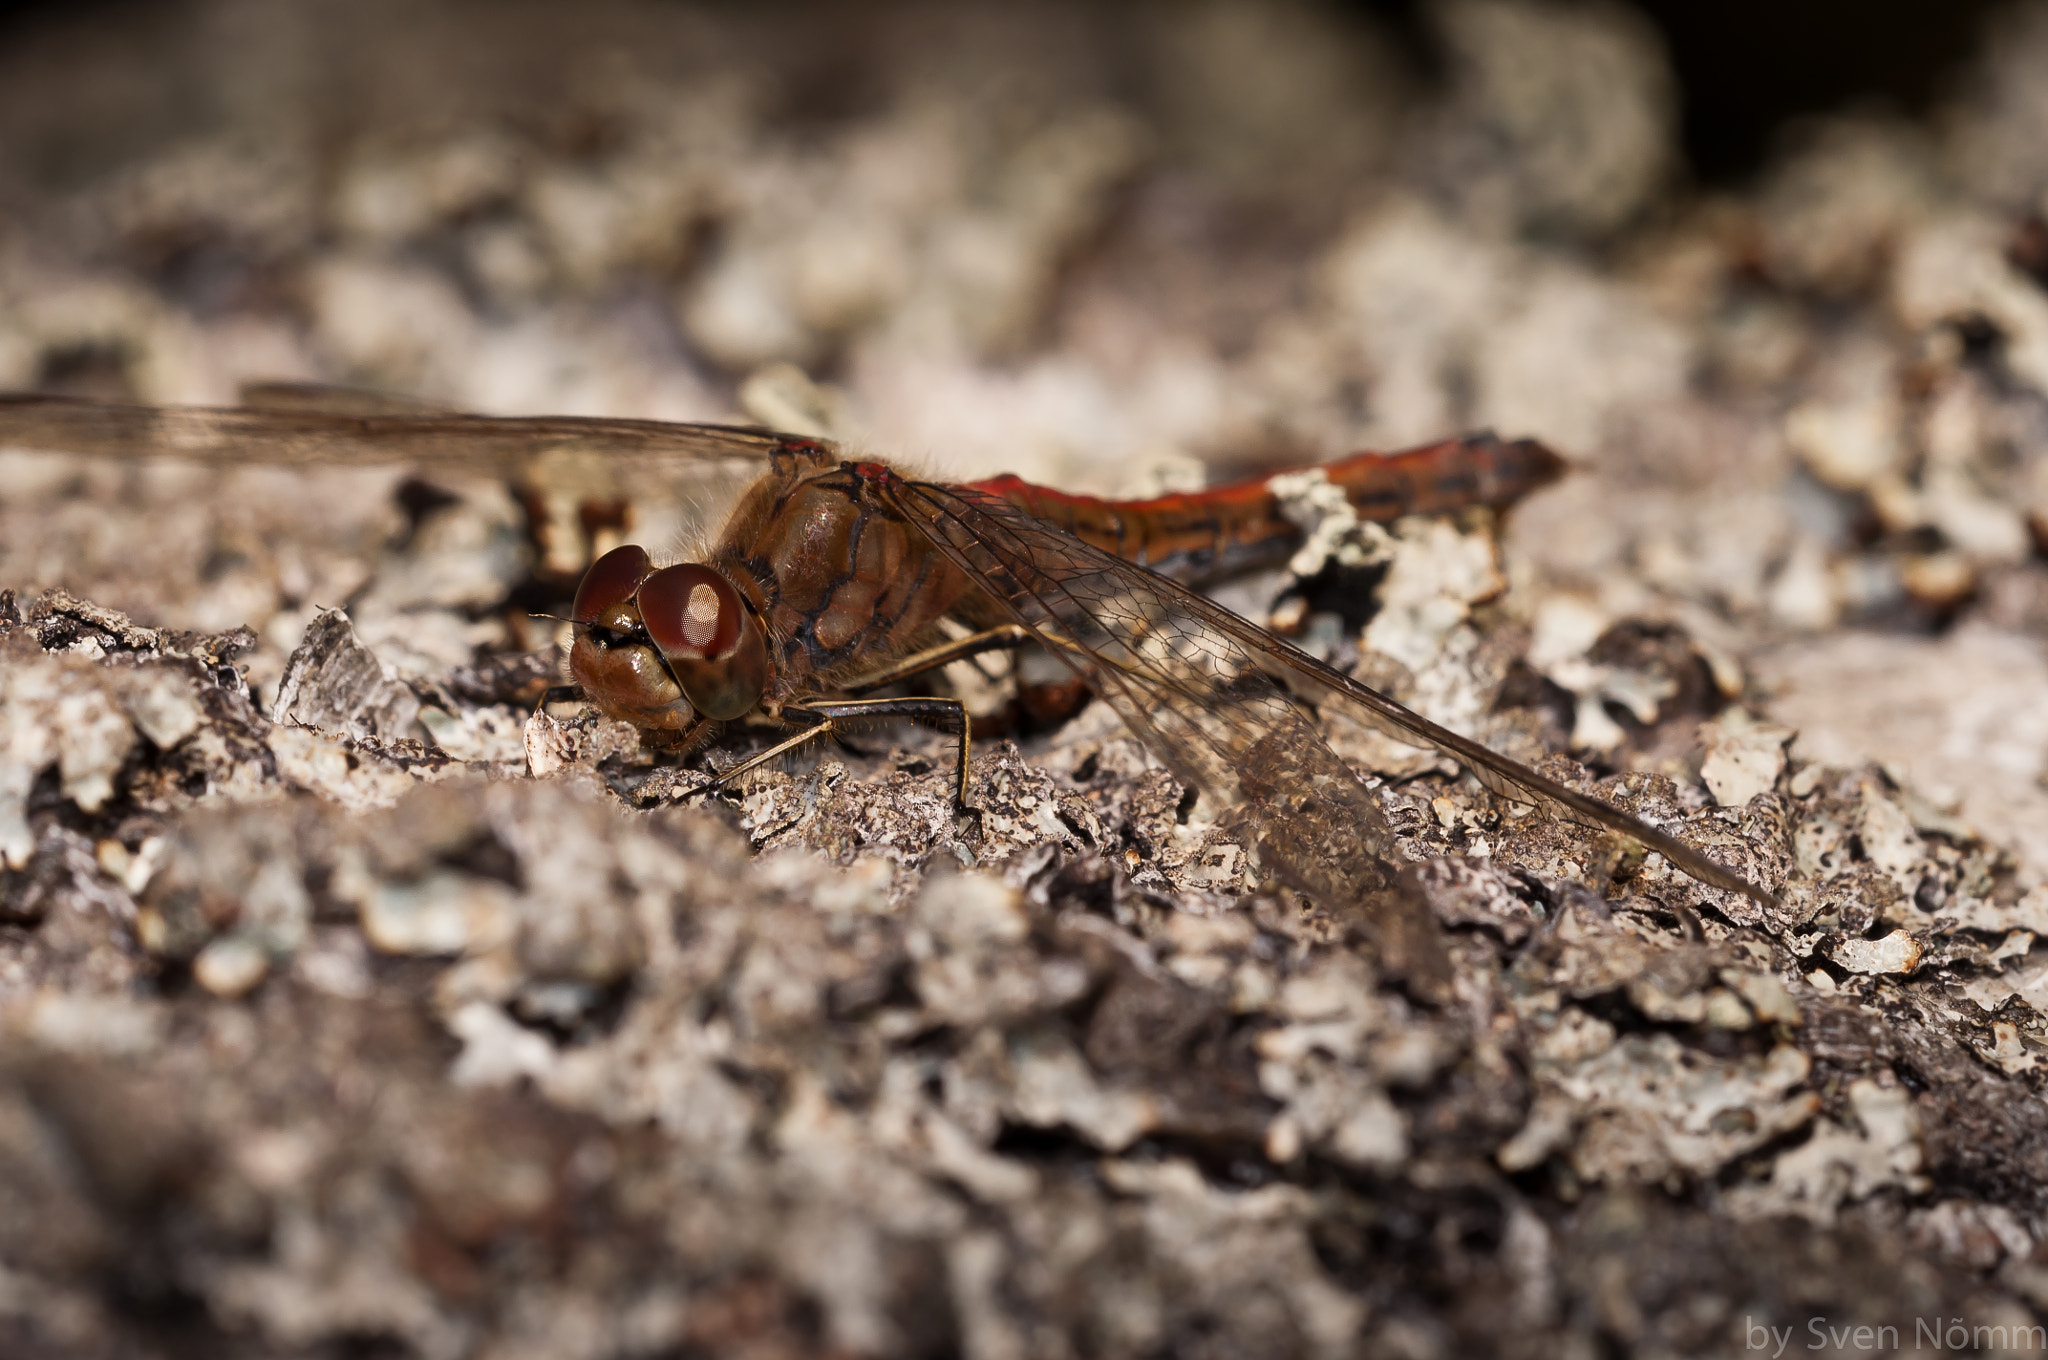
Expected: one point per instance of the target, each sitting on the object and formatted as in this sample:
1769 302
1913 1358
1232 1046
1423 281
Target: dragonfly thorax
660 648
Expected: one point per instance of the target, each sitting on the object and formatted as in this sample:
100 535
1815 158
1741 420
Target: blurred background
1770 276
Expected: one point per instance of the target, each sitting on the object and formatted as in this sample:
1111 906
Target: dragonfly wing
1202 699
1152 647
1512 779
599 456
333 399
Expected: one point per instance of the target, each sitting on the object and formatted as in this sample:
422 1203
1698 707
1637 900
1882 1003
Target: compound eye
611 582
691 612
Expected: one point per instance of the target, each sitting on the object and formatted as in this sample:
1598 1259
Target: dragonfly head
659 647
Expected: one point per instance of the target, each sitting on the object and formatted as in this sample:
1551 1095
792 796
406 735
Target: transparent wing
1201 700
595 456
1212 693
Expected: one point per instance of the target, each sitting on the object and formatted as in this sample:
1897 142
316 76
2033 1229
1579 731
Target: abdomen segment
1240 526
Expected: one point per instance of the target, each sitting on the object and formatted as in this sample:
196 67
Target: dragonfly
834 576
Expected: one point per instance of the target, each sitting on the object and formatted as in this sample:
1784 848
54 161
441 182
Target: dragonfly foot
710 787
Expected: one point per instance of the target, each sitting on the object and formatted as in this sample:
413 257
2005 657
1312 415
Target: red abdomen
1200 534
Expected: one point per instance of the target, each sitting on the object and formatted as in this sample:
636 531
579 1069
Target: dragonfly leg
555 694
942 713
827 716
760 758
680 744
1000 638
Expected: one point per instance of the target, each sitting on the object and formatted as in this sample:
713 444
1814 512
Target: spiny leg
941 713
760 758
1003 637
827 716
679 745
